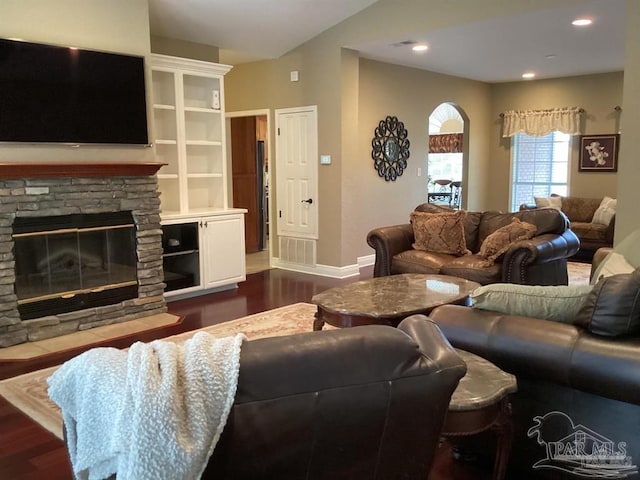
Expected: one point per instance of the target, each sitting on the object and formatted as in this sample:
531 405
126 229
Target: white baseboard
367 260
322 270
183 294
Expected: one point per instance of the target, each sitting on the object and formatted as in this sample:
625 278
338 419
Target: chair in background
441 192
456 194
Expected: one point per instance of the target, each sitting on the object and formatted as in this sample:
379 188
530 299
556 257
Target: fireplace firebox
72 262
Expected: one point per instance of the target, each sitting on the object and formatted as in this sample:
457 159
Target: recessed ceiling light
551 56
528 75
404 43
420 48
581 22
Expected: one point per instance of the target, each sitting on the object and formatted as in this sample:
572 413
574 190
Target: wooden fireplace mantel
78 169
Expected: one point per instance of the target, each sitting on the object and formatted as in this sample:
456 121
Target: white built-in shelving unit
189 137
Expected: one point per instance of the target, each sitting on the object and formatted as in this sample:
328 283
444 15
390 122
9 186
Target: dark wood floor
27 451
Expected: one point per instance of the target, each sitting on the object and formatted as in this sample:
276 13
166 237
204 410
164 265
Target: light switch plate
215 99
294 75
325 159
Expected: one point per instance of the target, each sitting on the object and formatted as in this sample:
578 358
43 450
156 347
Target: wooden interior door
245 171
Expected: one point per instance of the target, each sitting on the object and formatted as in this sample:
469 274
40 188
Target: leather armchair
357 403
541 260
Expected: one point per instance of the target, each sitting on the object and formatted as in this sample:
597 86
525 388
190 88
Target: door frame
255 113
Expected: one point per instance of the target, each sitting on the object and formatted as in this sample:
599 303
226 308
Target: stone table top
395 295
483 385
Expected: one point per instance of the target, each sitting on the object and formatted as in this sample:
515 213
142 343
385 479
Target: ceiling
249 30
494 50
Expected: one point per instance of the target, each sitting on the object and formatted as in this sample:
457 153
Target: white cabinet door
224 252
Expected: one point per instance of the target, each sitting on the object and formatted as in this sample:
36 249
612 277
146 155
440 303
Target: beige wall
411 95
115 25
352 197
184 49
267 85
627 218
596 94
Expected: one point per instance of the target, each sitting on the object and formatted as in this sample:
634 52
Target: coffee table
481 402
388 300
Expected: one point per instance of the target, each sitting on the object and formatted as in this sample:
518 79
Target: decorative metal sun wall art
390 148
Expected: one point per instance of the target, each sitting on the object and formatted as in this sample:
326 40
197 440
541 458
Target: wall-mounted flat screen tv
53 94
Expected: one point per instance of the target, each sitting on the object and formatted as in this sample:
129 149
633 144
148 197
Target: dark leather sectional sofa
560 367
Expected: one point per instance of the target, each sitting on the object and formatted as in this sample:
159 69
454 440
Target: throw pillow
605 212
499 241
559 303
439 232
548 202
629 248
613 306
613 264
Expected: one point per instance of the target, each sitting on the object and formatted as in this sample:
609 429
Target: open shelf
202 110
189 134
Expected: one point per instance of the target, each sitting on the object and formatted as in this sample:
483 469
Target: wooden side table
480 403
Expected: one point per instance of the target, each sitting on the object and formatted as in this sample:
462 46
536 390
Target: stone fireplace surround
49 189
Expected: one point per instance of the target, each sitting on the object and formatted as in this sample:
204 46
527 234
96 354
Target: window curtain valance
537 123
445 143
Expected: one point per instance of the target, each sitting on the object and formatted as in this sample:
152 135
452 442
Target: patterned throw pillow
499 241
439 232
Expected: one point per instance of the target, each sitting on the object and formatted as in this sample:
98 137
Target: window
540 167
445 165
445 157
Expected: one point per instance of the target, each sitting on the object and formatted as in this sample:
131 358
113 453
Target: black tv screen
58 94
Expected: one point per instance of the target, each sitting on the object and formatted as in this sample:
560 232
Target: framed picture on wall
599 153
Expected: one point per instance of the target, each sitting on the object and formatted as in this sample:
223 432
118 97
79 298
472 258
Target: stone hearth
30 190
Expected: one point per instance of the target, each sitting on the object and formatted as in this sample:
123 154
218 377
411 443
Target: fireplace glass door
69 266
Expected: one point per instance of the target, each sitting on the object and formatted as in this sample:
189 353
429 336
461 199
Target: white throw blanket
155 411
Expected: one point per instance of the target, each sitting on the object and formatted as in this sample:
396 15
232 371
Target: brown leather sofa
358 403
560 367
539 261
579 211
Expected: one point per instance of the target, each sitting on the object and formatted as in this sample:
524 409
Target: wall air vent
300 251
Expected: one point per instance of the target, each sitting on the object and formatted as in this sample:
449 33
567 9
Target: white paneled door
297 172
